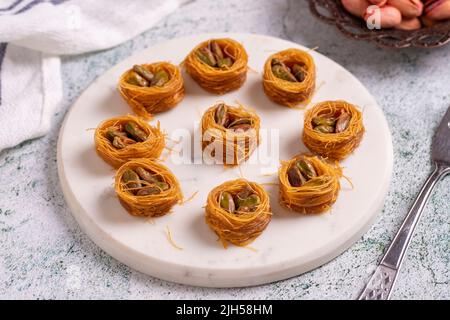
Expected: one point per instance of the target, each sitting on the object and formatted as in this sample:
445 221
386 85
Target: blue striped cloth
34 33
16 7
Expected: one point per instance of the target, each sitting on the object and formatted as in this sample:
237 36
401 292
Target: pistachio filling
295 73
142 182
329 124
142 77
301 172
244 201
123 135
228 121
214 56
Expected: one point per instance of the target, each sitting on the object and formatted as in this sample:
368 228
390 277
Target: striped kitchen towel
34 33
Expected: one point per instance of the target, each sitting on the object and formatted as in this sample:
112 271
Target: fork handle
380 284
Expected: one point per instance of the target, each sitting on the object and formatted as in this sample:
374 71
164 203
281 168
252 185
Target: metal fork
382 281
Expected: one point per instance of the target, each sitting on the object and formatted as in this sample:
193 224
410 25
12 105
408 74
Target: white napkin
32 35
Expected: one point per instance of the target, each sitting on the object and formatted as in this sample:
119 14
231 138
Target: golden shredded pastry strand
251 248
170 238
236 147
150 148
191 197
217 80
333 145
290 94
311 197
146 101
151 205
241 229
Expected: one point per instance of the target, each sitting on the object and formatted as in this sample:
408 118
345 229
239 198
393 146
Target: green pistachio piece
239 122
205 55
224 63
216 50
162 185
226 202
244 193
283 73
146 175
147 191
113 132
276 62
131 179
249 203
203 58
306 168
156 188
135 132
221 115
129 175
241 127
295 177
314 182
144 73
136 80
342 122
324 129
160 79
298 72
120 142
326 121
280 70
117 143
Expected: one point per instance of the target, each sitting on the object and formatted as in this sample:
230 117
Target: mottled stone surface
44 254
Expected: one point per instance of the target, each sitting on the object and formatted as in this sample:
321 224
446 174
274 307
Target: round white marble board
292 244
